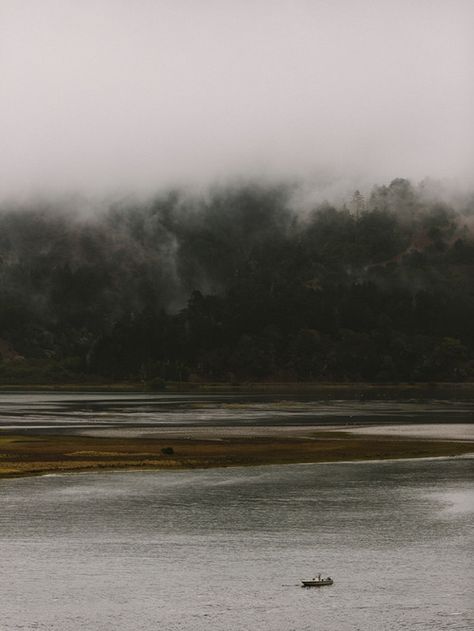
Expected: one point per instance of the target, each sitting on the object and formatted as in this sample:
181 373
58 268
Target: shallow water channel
138 413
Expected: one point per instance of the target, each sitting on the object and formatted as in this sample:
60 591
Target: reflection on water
101 411
226 548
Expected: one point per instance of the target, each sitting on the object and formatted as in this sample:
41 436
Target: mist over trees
239 285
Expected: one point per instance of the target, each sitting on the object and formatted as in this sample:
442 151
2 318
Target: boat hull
318 583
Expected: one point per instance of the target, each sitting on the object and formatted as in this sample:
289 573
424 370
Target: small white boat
317 582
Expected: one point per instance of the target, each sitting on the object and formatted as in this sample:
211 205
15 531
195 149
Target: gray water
225 549
79 412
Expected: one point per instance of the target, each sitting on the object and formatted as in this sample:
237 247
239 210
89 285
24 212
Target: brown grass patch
20 455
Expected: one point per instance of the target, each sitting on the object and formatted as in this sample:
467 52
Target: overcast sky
105 95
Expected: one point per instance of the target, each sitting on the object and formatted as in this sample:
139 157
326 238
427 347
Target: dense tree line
238 284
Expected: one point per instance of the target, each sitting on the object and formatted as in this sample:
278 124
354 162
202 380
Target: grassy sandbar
33 455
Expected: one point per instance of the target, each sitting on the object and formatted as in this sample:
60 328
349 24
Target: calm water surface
134 412
224 549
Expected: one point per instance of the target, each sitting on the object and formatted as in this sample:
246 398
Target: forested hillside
240 284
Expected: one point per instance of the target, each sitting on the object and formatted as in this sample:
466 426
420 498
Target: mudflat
40 454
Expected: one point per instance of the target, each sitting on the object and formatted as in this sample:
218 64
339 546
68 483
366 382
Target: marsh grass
31 455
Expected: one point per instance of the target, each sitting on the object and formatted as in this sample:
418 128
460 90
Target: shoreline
343 390
30 455
78 472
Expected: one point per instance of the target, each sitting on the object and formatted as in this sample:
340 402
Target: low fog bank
241 282
104 95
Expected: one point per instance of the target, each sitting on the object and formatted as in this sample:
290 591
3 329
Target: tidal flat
43 433
36 454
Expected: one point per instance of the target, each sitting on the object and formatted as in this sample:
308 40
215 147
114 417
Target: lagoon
226 548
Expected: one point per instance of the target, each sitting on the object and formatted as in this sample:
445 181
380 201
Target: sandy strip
212 432
445 431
